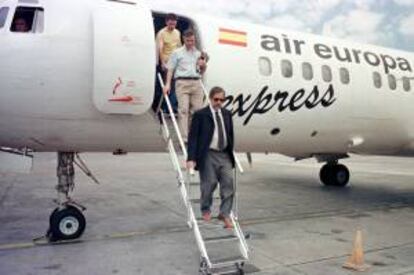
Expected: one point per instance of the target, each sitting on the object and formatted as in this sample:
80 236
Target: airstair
222 250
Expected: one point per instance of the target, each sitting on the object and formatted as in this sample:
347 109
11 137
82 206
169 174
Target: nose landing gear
67 221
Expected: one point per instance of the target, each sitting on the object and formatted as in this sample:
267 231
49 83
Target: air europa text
342 54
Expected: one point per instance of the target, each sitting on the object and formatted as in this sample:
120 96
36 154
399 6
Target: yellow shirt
171 41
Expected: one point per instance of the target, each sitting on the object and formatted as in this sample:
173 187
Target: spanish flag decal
233 37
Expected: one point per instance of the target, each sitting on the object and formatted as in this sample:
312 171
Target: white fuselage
56 86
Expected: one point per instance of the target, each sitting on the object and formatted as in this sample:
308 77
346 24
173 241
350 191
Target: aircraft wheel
66 224
334 175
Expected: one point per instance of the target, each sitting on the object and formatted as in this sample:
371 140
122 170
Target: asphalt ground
136 221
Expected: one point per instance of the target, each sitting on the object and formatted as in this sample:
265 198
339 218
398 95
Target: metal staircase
222 251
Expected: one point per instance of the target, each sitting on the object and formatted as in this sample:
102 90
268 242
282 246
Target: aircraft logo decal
118 84
125 96
232 37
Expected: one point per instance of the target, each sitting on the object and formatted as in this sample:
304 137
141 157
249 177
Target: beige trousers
190 98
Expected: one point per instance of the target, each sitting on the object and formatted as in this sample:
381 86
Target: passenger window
326 73
287 68
392 82
377 80
307 71
344 75
265 66
27 19
406 84
3 16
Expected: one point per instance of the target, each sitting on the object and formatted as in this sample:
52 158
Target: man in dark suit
210 151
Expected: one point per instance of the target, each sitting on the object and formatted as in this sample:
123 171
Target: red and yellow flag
233 37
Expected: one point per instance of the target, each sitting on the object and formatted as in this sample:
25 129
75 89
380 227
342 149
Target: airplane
80 77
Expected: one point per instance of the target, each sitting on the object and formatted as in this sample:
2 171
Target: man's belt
187 78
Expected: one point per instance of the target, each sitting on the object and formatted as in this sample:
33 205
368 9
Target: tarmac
136 221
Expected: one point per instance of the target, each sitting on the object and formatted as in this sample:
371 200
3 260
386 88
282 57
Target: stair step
199 200
200 219
221 239
232 271
168 118
217 263
194 183
210 225
228 270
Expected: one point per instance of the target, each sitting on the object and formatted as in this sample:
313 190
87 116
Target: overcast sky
387 23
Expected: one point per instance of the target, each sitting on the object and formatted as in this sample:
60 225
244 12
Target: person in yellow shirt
168 39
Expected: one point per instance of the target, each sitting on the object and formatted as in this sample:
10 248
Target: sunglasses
218 99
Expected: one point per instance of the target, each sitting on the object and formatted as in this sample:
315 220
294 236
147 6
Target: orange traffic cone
356 260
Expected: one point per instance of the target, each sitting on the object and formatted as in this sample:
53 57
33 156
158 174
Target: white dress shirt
214 141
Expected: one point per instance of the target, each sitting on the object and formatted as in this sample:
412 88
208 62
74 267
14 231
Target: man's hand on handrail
166 89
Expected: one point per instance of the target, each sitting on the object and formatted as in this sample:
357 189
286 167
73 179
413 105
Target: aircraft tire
66 224
334 175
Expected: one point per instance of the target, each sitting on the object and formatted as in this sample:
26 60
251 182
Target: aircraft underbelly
125 132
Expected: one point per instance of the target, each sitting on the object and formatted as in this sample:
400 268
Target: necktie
220 132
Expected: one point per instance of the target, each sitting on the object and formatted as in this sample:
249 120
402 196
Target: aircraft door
124 59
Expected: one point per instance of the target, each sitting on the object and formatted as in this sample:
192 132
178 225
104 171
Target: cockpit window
3 16
27 19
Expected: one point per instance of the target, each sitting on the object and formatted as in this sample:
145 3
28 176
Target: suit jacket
201 134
